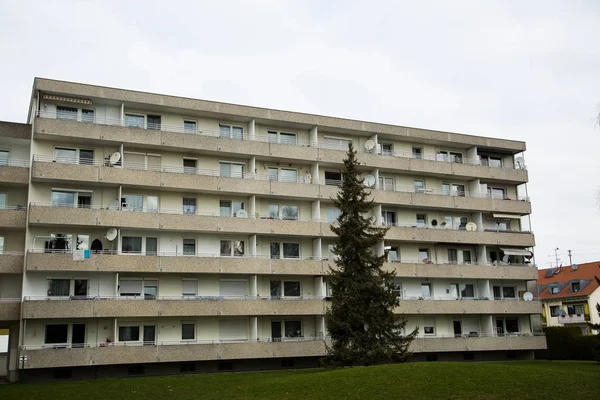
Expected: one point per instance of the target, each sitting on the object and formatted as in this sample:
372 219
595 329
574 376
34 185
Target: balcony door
457 328
149 335
276 331
78 335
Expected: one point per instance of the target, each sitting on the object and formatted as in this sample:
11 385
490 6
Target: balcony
180 306
10 309
446 305
178 137
14 171
573 319
48 168
11 262
13 217
480 343
467 271
121 353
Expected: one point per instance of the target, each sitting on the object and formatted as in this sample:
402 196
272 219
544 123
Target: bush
567 343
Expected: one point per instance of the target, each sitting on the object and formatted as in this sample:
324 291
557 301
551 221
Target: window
232 248
293 329
132 202
65 156
66 113
426 290
452 189
87 115
466 257
490 161
508 292
189 166
84 200
388 218
452 256
63 199
189 247
229 208
429 326
129 334
153 122
467 290
450 156
130 287
289 212
275 289
151 246
424 255
86 157
496 193
554 289
142 161
575 309
134 121
575 286
417 153
291 289
4 157
386 183
56 334
419 186
131 244
189 205
333 214
387 149
2 201
336 143
397 288
1 244
393 254
281 137
459 223
421 220
152 203
81 288
190 127
189 287
554 311
60 243
231 170
290 250
59 287
232 132
333 178
188 331
288 175
150 290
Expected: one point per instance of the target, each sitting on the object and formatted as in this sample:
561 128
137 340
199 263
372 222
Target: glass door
276 331
78 335
149 335
457 328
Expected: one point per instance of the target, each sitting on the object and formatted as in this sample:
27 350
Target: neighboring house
569 295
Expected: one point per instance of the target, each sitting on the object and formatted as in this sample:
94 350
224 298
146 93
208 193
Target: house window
231 132
231 170
282 137
450 156
290 250
490 161
153 122
189 247
152 204
151 246
508 292
63 199
496 193
65 156
129 334
150 290
189 166
229 208
452 189
87 115
575 309
424 255
466 257
421 220
553 289
131 244
397 287
232 248
66 113
132 202
189 287
388 218
58 287
130 287
190 127
429 326
387 149
293 329
419 186
393 254
134 121
554 311
467 290
426 290
60 243
417 153
56 334
289 212
386 184
333 178
575 287
452 256
188 331
82 242
1 244
291 289
86 157
333 214
4 157
336 143
189 205
81 287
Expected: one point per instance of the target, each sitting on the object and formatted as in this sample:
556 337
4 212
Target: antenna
369 180
114 158
369 145
570 261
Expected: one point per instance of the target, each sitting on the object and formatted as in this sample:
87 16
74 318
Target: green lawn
520 380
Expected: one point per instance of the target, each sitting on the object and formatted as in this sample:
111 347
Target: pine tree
361 321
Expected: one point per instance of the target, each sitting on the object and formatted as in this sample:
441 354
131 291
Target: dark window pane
293 329
87 115
291 289
508 292
58 287
154 122
81 287
189 247
188 331
225 247
275 250
129 333
67 113
291 250
275 289
56 334
238 249
151 246
131 244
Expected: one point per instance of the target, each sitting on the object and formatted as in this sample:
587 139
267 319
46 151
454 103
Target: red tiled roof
566 274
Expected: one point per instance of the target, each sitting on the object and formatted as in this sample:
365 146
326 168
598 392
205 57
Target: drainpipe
122 114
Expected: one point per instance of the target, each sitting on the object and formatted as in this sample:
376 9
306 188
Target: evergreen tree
361 320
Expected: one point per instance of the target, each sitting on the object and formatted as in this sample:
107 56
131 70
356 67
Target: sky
523 70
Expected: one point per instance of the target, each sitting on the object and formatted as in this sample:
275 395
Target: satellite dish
369 145
471 226
519 163
111 234
574 266
114 158
527 296
241 214
369 180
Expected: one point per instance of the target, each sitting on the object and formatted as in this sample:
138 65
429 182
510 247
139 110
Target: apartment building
569 296
147 234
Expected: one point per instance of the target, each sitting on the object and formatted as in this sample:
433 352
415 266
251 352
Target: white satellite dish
519 163
574 267
111 234
369 145
369 180
114 158
527 296
241 214
471 226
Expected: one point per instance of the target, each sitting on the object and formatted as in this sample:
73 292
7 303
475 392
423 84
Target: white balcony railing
14 162
262 138
572 319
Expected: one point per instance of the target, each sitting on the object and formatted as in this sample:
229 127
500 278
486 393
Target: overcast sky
525 70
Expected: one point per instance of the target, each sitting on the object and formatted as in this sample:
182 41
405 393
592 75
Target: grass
519 380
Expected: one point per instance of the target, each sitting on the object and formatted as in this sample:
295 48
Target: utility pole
570 262
556 256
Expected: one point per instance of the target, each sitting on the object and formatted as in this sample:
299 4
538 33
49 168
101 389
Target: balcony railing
262 138
14 162
573 319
